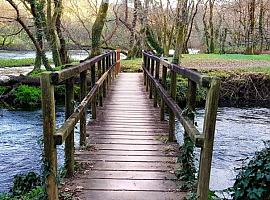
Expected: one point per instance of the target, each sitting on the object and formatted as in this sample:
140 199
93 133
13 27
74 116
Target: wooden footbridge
123 143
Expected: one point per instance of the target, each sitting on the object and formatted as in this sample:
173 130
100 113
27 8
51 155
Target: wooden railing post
104 86
50 156
94 101
152 68
162 103
157 78
144 64
100 93
171 114
118 64
69 144
83 91
208 133
147 67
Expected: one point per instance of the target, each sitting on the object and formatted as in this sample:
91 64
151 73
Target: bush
27 96
2 90
253 181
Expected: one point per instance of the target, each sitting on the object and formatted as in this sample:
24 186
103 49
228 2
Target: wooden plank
131 195
125 152
129 175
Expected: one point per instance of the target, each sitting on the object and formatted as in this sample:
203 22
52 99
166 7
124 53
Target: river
239 133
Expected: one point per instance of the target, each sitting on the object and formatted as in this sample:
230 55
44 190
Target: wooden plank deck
125 159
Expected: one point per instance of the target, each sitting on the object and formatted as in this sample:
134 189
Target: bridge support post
171 114
104 86
100 93
157 78
208 132
151 88
50 156
94 101
162 104
118 64
83 86
69 144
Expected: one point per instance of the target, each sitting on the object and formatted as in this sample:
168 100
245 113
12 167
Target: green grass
227 56
16 62
133 65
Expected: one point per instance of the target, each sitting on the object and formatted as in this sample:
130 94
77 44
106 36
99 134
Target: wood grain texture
127 158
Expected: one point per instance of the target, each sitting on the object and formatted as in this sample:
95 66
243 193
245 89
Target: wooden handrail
200 79
106 73
204 140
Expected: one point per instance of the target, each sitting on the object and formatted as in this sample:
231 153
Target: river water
239 133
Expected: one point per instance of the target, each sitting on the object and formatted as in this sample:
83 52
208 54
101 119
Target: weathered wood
171 113
50 157
144 65
94 101
129 156
60 76
83 92
151 88
209 133
163 82
100 93
157 78
192 131
200 79
147 67
63 132
118 65
104 85
69 144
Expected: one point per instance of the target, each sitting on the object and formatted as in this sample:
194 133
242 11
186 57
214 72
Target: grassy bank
16 62
241 83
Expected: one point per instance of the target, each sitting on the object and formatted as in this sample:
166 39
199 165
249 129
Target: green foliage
152 42
27 96
227 56
2 90
186 159
16 62
23 184
26 187
253 180
133 65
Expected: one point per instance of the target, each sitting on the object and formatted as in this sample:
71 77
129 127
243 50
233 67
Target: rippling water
240 132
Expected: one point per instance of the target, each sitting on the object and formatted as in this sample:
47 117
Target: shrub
2 90
253 180
27 96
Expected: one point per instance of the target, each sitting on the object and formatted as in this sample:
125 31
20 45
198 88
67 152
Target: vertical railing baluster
211 107
157 78
104 86
152 68
144 65
69 143
171 114
94 101
50 155
147 68
100 93
162 103
83 92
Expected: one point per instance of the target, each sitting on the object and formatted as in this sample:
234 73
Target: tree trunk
63 49
211 26
39 50
98 27
251 43
180 29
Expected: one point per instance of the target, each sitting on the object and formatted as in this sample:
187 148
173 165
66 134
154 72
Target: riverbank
245 79
241 84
